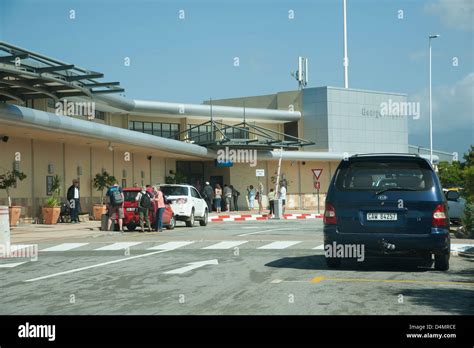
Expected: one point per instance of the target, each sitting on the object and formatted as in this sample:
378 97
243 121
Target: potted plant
8 180
101 181
52 209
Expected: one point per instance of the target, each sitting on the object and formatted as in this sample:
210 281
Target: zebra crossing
173 245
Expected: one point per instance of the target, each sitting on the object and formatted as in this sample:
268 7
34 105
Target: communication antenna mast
301 75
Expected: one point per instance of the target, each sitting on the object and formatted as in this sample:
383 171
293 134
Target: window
174 190
236 132
200 133
194 193
376 176
100 115
165 130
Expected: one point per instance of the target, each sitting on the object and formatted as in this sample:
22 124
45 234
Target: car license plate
381 216
130 209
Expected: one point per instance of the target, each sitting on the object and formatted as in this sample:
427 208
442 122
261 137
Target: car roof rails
386 154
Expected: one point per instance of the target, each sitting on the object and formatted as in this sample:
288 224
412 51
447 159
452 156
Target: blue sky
193 59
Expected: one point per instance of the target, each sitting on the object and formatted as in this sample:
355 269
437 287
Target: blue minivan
392 204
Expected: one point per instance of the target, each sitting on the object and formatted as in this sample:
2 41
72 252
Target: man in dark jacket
74 200
208 195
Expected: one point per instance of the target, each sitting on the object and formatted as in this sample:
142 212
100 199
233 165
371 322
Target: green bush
468 220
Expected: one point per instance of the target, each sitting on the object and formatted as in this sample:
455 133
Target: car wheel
205 219
333 262
190 220
442 261
172 224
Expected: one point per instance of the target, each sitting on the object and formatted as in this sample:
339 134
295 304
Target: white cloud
457 14
453 108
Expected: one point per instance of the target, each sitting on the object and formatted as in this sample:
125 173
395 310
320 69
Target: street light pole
431 113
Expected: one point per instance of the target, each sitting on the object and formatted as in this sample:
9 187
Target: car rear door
197 202
363 206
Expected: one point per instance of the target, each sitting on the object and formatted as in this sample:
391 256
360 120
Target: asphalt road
258 267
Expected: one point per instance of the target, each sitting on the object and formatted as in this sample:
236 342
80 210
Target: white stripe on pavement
171 245
64 247
11 265
225 245
279 245
118 246
461 247
319 247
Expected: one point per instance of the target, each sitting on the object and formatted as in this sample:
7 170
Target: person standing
282 196
160 204
271 198
251 196
208 194
115 206
235 196
218 198
144 200
260 193
74 200
228 197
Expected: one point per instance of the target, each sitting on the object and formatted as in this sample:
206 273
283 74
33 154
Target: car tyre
172 223
205 219
442 261
190 220
333 262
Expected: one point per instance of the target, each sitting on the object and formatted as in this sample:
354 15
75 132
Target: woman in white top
282 196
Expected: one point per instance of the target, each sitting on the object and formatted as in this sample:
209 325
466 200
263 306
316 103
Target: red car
131 217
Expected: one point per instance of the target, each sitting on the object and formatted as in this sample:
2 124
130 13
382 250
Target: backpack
145 200
116 196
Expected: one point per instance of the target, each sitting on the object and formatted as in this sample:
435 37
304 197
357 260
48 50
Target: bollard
278 209
4 231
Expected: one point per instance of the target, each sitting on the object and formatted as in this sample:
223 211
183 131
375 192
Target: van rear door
385 195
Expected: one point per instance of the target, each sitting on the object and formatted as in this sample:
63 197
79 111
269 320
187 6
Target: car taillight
440 219
182 201
329 215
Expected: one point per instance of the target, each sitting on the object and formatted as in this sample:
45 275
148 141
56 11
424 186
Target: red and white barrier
256 217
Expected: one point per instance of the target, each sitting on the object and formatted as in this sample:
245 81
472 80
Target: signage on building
260 172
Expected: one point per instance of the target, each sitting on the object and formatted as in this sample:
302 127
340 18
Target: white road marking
319 247
118 246
11 265
225 245
269 230
461 247
192 265
95 266
279 245
64 247
171 245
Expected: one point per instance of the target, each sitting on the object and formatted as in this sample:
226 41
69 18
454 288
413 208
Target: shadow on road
449 300
373 264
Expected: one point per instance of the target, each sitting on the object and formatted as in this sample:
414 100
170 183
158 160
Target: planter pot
14 213
98 210
51 215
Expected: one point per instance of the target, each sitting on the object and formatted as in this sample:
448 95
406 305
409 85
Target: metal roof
26 75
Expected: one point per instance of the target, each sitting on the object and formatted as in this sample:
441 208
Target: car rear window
383 174
130 196
174 190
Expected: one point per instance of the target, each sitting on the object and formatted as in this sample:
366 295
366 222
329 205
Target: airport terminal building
146 142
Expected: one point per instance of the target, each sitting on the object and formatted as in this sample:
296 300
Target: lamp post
431 114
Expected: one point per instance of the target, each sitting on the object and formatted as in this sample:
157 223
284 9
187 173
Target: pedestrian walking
160 204
144 199
228 197
271 198
115 206
218 198
208 195
74 202
251 193
235 196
